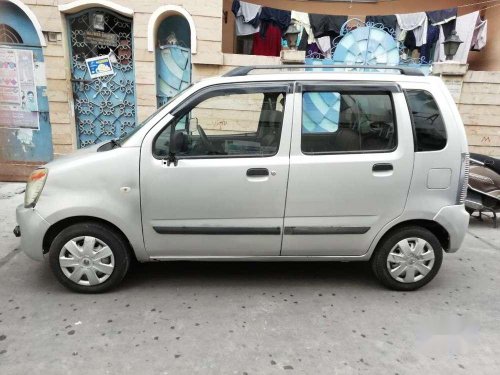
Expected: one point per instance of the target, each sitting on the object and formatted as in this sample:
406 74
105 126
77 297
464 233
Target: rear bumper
455 220
32 229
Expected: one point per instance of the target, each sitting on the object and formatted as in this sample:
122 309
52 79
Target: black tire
110 237
380 256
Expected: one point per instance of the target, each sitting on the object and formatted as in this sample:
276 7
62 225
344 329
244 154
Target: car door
213 179
351 164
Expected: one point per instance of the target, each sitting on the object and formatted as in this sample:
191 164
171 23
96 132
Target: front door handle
257 172
382 167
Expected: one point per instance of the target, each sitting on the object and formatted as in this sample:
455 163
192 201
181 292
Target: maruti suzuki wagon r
264 165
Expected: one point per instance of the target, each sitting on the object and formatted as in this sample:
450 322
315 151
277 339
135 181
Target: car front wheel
89 257
407 259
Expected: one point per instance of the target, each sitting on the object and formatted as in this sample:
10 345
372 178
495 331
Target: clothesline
480 9
456 6
491 6
478 3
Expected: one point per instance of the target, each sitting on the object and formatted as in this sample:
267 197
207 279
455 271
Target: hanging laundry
244 44
480 36
445 17
302 19
426 52
440 17
246 14
303 41
415 22
277 17
314 52
270 44
323 25
401 35
389 22
410 42
235 6
471 30
324 43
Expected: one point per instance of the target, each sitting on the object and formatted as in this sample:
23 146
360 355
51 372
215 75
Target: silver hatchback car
301 165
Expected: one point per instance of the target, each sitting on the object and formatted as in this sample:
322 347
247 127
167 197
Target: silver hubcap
410 260
86 260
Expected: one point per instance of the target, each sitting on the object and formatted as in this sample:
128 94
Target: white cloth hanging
324 43
247 13
480 36
303 20
471 30
416 22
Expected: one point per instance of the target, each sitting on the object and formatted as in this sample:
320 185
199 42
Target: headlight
34 187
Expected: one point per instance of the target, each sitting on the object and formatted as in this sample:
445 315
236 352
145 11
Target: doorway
173 58
25 131
102 75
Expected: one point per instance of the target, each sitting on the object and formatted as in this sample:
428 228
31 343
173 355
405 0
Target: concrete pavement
247 318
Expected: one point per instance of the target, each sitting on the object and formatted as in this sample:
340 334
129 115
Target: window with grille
9 35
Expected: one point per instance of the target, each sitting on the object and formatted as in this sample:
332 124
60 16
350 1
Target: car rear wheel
89 257
407 259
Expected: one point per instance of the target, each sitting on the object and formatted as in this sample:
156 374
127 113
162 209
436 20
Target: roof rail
244 70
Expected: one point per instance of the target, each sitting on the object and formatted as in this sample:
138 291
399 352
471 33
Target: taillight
464 179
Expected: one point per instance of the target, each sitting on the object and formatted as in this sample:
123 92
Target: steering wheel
204 139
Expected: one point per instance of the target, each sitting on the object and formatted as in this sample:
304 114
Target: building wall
479 105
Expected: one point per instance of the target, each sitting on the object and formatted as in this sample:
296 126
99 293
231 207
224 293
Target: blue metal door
105 107
25 131
173 58
174 71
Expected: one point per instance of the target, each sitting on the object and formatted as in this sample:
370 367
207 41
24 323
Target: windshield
127 135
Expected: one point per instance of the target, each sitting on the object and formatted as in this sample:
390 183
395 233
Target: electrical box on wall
53 36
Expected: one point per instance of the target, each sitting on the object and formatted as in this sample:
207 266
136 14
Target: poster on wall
99 66
18 96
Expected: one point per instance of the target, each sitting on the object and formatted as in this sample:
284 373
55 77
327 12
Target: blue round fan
367 46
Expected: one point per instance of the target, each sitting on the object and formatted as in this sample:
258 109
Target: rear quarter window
428 124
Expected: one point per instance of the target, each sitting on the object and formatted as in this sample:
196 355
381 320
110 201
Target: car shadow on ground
249 274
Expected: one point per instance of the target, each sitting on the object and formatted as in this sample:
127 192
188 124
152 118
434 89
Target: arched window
173 57
9 35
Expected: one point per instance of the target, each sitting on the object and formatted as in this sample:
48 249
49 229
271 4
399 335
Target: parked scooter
483 193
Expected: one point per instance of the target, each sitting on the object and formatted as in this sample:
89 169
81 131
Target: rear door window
428 124
347 122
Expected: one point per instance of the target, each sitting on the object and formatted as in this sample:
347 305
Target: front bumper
455 220
32 228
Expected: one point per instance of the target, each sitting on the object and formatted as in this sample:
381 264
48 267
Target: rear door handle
257 172
382 167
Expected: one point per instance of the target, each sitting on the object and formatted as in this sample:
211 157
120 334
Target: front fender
104 185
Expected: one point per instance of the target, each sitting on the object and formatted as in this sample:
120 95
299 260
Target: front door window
231 123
